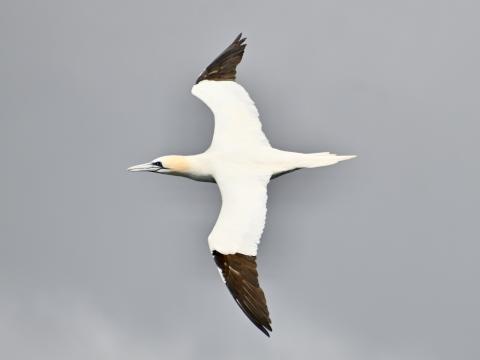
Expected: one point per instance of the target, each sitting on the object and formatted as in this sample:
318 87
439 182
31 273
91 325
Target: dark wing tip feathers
225 65
240 274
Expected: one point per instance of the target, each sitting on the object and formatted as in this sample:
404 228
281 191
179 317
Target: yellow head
171 164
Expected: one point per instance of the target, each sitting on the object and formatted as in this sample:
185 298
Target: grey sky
374 258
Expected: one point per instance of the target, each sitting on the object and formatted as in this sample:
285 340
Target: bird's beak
144 167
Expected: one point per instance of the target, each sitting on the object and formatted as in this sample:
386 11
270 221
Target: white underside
241 161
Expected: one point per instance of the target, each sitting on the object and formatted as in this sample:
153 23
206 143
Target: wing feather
235 237
237 124
224 67
236 234
240 275
242 216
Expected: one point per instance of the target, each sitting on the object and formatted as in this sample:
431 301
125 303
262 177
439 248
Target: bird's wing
234 240
237 124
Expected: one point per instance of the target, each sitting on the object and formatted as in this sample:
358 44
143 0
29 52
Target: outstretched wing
237 124
234 240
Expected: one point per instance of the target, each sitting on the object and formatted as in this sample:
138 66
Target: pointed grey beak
144 167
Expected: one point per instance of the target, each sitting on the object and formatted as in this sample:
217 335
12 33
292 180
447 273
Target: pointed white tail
323 159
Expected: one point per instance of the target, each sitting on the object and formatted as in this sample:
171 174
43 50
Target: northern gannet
242 162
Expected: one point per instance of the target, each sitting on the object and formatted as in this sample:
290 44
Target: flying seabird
241 161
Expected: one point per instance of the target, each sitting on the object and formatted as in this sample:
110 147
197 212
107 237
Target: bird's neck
196 167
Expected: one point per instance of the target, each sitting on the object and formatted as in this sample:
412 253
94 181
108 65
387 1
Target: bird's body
241 161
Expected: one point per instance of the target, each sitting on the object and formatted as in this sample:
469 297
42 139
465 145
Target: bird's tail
322 159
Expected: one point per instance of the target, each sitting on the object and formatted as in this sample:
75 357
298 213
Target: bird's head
171 164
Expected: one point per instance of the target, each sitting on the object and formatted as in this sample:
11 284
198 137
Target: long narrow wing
234 240
237 123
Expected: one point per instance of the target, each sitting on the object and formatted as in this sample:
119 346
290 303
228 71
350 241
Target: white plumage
242 217
237 126
242 162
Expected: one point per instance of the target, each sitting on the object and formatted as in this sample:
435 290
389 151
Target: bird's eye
158 163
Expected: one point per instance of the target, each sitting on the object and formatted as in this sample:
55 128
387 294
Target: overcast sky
374 258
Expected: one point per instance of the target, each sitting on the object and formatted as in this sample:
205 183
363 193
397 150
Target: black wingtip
240 274
239 39
225 65
265 330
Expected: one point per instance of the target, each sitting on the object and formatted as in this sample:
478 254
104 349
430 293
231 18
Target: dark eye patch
159 164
